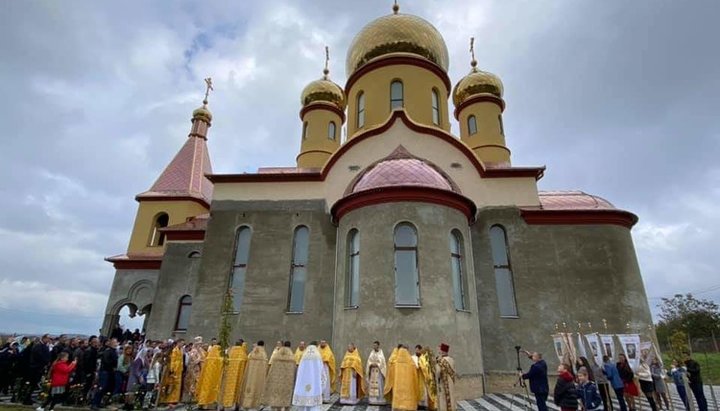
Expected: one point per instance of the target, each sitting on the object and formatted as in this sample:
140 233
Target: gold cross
473 62
208 87
326 71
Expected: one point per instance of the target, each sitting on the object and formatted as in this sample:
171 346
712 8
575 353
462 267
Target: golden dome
476 82
323 90
202 113
397 33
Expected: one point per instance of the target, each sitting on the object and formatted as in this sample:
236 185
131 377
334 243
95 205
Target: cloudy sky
617 98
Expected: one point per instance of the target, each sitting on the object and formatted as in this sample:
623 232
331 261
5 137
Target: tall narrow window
396 94
183 313
237 278
361 109
157 238
298 270
472 125
500 123
503 272
407 281
458 276
332 128
352 282
435 107
304 132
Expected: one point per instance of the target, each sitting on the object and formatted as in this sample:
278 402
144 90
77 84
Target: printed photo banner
595 347
608 346
581 351
630 344
564 348
648 352
559 344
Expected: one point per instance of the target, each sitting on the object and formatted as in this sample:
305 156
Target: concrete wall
571 274
377 317
135 288
177 277
265 298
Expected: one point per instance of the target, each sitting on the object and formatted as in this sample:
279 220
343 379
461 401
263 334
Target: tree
695 317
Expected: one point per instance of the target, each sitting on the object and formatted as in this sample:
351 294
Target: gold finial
589 324
326 71
473 62
579 324
396 7
208 87
604 321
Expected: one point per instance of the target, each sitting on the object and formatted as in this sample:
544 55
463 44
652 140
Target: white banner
608 346
582 352
559 344
595 347
630 344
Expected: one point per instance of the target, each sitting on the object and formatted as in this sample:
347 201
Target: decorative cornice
398 58
321 105
479 98
142 197
329 153
578 217
512 172
403 194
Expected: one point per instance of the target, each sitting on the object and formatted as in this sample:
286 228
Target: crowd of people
588 385
142 374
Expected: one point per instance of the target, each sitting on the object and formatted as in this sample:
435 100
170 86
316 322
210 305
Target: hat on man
444 348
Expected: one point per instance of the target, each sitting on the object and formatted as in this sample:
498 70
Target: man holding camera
537 375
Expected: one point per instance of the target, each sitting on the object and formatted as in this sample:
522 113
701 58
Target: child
565 395
678 375
587 390
59 378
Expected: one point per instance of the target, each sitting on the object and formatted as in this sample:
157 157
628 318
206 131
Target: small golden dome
323 90
202 113
397 33
476 82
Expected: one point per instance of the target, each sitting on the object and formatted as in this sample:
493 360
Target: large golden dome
397 33
477 82
323 90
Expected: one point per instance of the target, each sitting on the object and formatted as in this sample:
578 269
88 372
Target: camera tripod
520 381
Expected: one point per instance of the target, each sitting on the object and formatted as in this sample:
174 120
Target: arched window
458 275
407 280
237 277
361 109
503 272
435 107
157 238
500 123
332 128
352 282
183 313
298 270
472 125
396 94
304 132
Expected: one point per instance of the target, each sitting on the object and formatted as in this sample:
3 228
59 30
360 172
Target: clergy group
248 378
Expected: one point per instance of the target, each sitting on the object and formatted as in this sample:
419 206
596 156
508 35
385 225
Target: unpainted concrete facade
132 288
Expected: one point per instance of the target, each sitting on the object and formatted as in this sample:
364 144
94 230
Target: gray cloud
616 98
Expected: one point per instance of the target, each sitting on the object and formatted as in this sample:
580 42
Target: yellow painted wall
417 84
488 136
316 138
178 212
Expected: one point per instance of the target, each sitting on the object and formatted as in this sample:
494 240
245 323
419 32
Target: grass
709 366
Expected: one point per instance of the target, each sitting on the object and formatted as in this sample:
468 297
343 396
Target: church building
400 232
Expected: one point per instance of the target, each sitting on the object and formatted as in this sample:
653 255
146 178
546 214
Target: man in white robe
307 394
422 402
376 370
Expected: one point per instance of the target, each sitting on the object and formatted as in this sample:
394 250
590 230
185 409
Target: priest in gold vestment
445 372
402 381
376 374
299 352
352 387
255 373
387 391
194 358
234 375
329 369
280 380
171 382
426 366
210 378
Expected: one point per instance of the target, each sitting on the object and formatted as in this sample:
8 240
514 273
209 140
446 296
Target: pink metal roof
572 200
401 168
185 175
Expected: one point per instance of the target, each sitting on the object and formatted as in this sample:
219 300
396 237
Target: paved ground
490 402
